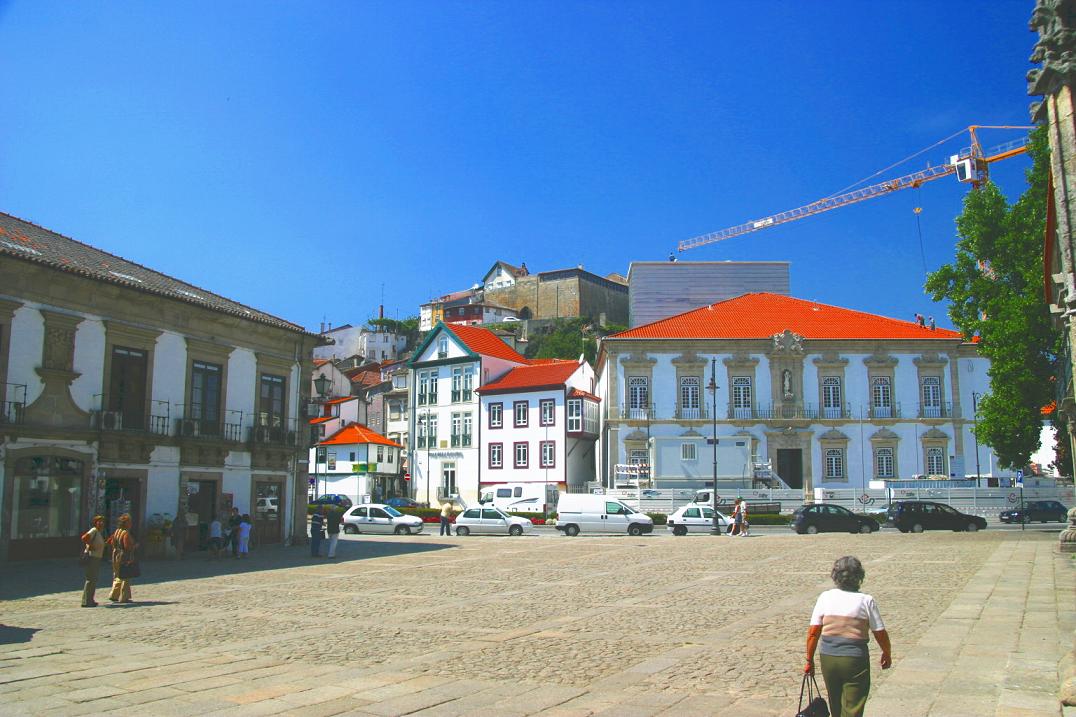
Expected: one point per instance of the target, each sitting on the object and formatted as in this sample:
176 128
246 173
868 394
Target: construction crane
970 165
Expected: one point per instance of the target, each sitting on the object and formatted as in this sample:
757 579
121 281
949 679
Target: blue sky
299 156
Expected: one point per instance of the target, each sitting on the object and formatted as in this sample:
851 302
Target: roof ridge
147 289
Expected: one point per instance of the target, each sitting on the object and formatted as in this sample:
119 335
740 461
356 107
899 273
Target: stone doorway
790 466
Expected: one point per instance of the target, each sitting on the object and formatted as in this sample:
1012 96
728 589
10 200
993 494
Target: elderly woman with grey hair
841 620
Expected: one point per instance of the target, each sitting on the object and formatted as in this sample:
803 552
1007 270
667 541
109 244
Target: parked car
1044 511
827 518
402 503
380 518
490 520
918 515
338 501
695 519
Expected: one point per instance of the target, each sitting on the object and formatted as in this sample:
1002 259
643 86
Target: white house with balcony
124 390
804 394
539 425
444 372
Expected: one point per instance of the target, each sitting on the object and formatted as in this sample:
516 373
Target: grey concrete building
660 289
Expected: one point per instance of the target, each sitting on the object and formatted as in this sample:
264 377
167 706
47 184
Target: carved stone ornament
55 407
830 358
691 433
787 342
740 360
1067 539
879 360
635 435
638 360
884 434
934 435
931 360
59 350
689 359
1055 51
833 435
786 384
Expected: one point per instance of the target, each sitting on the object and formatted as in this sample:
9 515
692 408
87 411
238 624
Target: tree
995 291
568 338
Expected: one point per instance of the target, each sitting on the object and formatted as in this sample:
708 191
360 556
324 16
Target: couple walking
322 518
739 518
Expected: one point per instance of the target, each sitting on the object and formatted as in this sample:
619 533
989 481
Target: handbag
84 558
134 570
816 703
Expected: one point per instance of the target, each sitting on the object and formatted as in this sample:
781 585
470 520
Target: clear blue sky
297 156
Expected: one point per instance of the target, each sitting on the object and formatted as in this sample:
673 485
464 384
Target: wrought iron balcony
943 409
461 440
890 411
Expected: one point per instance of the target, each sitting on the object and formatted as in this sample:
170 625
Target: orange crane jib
915 179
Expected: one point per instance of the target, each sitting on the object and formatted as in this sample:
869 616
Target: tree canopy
568 338
994 289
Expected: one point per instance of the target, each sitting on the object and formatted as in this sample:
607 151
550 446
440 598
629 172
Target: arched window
741 397
936 462
881 397
831 397
932 406
883 463
834 463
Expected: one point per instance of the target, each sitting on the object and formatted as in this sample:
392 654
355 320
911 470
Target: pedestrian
744 524
446 515
216 539
332 522
317 532
94 538
737 517
840 621
124 548
245 526
179 533
232 538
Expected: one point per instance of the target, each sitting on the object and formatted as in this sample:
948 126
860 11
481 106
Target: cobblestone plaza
539 625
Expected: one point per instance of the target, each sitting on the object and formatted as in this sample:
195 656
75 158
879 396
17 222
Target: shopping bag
816 704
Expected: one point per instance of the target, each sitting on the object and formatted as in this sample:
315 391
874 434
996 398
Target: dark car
401 503
337 501
918 515
1044 511
826 518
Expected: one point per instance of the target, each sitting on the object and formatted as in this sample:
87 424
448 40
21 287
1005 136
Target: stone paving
539 625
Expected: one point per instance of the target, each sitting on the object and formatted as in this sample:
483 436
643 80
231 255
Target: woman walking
94 538
123 555
841 619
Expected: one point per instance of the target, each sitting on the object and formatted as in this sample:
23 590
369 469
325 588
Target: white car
695 518
379 518
490 520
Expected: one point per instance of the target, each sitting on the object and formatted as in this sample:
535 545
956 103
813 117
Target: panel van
583 513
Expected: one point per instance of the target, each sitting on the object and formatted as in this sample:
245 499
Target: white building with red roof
357 462
445 370
539 424
819 395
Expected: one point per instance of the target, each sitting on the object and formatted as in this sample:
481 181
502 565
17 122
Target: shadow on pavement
9 635
44 577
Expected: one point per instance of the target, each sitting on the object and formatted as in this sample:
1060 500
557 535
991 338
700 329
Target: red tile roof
485 342
344 399
357 433
320 362
761 315
579 393
532 378
320 419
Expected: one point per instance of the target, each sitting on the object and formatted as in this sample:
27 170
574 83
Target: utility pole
712 388
975 433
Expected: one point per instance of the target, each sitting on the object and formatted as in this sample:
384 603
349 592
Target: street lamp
712 388
975 433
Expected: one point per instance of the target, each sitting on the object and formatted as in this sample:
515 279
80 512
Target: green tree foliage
567 338
994 287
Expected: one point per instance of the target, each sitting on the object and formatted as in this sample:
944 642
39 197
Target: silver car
490 520
379 518
694 518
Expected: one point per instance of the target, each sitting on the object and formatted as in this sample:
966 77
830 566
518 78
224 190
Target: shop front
204 502
47 503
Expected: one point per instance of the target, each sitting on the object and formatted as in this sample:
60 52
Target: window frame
545 404
694 452
495 450
525 462
525 422
499 413
828 457
552 448
570 406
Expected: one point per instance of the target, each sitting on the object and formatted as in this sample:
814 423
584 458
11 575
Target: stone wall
563 294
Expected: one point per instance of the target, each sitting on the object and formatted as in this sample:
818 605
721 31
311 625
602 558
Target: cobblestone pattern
536 625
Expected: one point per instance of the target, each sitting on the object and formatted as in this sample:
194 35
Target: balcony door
127 386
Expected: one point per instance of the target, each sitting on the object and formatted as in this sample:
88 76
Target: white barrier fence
976 501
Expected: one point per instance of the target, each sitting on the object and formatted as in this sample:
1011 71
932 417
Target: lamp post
322 386
712 388
975 433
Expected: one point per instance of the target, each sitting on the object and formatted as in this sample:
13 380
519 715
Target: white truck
520 497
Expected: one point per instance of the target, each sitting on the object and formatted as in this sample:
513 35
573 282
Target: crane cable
919 228
897 164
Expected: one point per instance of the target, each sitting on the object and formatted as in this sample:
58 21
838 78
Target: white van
520 497
583 513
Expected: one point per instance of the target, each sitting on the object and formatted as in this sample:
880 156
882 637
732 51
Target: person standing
179 533
94 538
233 532
123 554
446 515
744 524
332 523
737 517
216 538
317 532
245 526
840 621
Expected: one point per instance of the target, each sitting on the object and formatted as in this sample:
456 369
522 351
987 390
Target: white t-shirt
845 618
214 529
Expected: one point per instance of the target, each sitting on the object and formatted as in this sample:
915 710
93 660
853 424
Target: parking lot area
539 625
